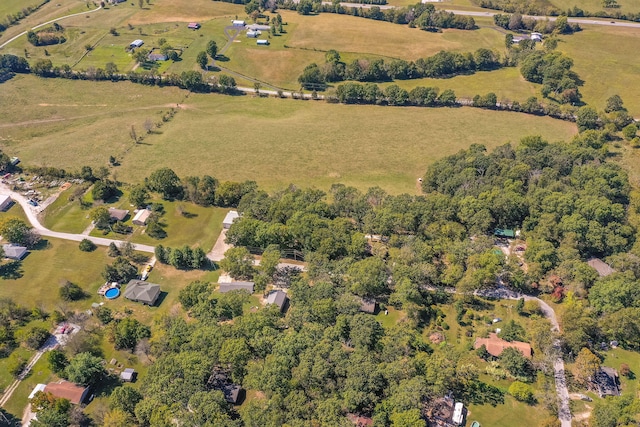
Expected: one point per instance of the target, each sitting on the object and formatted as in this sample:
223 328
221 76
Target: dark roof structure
279 299
606 382
140 291
219 380
236 286
368 305
118 214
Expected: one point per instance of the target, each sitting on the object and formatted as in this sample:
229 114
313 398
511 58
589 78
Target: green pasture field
593 6
14 6
186 11
603 57
272 141
66 216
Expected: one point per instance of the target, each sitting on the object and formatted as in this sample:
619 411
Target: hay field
273 141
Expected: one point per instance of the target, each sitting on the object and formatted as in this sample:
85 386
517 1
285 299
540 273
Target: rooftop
236 286
66 390
144 292
278 298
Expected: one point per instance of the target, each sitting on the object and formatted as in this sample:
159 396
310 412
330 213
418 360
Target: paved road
32 216
564 412
47 23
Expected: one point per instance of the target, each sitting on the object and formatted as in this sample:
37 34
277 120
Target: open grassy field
511 414
603 57
14 6
593 6
273 141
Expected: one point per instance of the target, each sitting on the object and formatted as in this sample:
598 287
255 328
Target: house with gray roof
144 292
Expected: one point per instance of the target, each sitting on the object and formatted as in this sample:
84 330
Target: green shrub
87 245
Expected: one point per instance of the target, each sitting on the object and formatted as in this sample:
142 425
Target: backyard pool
112 293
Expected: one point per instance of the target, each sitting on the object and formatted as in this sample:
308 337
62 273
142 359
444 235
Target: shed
262 42
136 43
253 33
118 214
278 298
606 382
5 202
15 252
141 217
157 57
237 23
144 292
236 286
600 266
229 218
496 345
15 161
258 27
231 393
64 389
193 26
128 375
536 37
368 305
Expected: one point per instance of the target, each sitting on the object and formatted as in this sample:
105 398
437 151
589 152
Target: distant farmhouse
238 23
118 214
65 390
496 345
136 43
144 292
253 33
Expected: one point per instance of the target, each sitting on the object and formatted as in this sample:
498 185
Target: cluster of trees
15 230
47 36
190 80
11 64
442 64
120 271
203 57
524 7
205 191
12 317
553 71
517 22
182 258
370 93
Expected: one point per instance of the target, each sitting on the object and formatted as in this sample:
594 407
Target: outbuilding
236 286
229 218
238 23
253 33
157 57
262 42
144 292
193 26
141 217
136 43
278 298
14 252
128 375
5 202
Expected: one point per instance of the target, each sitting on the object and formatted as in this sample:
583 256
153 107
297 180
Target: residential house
144 292
13 251
368 305
253 33
235 286
278 298
606 382
141 217
238 23
496 345
219 380
118 214
64 389
5 202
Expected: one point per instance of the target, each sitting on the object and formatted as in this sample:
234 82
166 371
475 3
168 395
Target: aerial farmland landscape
319 213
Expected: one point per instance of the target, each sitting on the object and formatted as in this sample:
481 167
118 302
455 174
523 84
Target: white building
142 216
5 202
253 33
136 43
262 42
237 23
458 414
229 218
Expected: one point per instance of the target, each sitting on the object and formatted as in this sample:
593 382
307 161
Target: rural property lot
273 141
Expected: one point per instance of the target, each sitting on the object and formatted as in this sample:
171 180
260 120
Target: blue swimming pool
112 293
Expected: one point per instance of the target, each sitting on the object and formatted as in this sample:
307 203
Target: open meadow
272 141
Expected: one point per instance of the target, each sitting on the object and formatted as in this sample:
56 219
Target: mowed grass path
272 141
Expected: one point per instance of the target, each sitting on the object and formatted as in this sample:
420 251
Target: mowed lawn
14 6
603 57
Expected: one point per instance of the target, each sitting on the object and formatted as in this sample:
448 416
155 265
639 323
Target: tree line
440 65
15 18
546 8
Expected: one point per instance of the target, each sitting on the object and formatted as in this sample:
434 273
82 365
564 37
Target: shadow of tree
11 271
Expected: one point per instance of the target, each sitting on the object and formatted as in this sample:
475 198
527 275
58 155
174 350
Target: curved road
32 216
564 412
47 23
